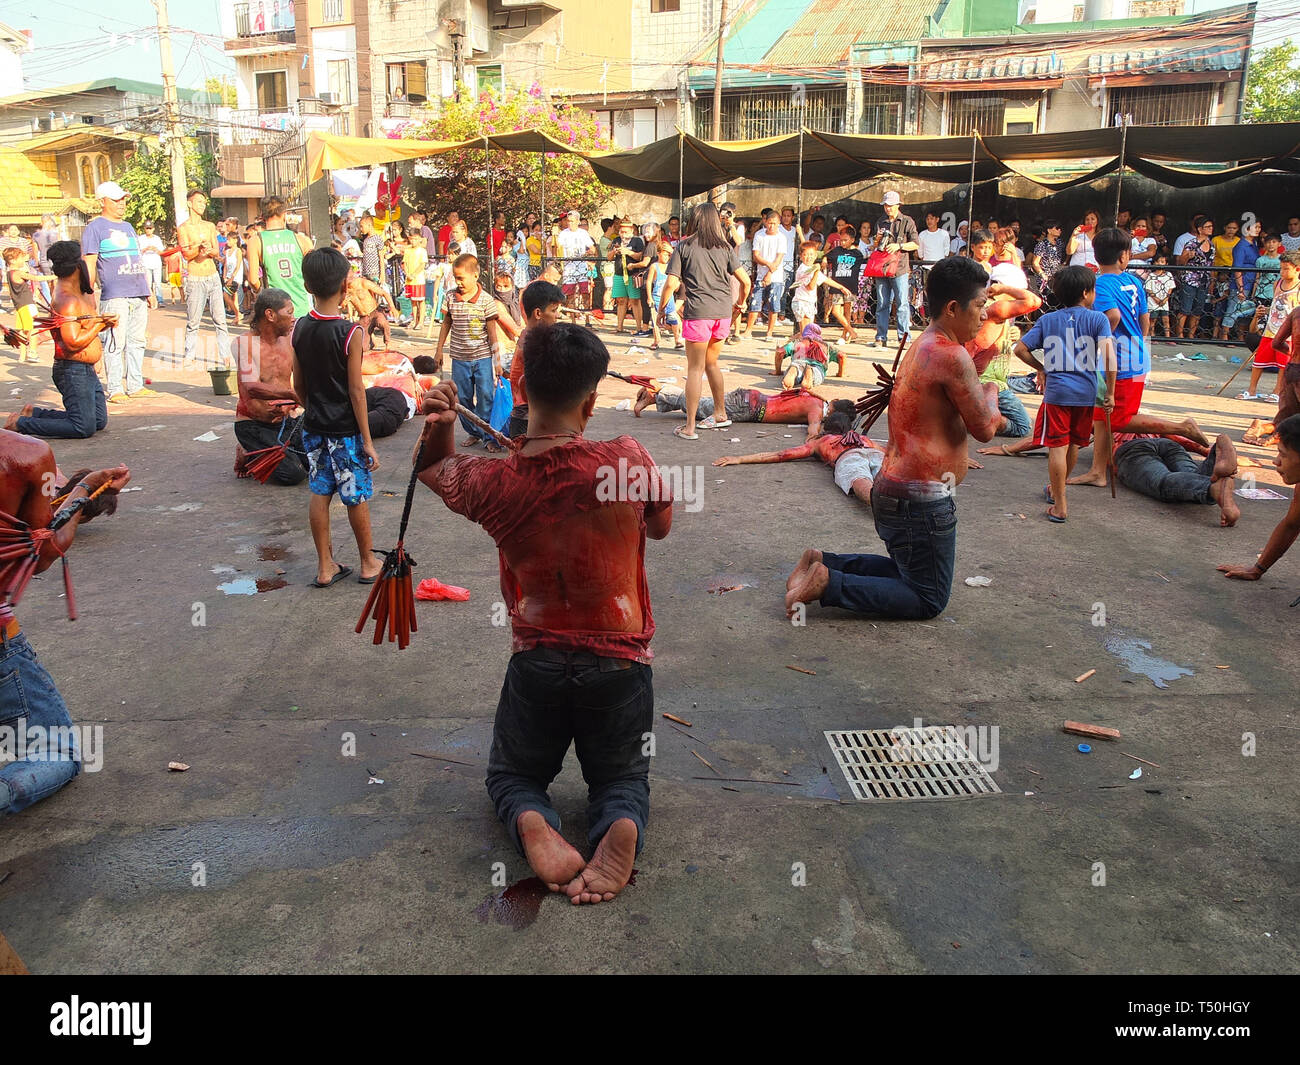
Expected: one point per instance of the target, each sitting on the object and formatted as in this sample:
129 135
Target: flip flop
681 431
368 580
1053 518
343 572
1047 494
723 424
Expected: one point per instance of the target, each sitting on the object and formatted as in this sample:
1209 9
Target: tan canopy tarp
816 160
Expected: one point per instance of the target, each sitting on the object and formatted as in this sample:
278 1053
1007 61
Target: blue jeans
204 293
1014 412
889 290
85 411
125 344
29 700
604 707
1162 470
474 387
915 581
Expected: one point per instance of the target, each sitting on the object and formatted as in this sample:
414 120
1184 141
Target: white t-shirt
790 238
575 243
1290 243
768 246
934 246
1083 254
151 249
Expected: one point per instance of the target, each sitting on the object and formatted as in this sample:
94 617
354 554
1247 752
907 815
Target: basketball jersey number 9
285 265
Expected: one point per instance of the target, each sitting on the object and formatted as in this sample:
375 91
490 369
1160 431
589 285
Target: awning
1181 156
248 191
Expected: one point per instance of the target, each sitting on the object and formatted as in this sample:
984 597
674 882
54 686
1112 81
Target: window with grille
752 115
407 80
630 128
882 109
659 6
984 113
1161 105
340 80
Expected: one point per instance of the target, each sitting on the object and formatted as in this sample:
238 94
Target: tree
516 176
1273 85
223 88
148 179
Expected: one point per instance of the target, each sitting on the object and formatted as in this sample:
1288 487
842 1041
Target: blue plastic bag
503 402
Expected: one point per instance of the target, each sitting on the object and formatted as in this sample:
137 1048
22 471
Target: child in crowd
1076 345
808 278
1160 285
471 323
541 304
415 262
572 560
535 244
1286 297
509 314
655 279
845 262
440 288
20 277
327 354
362 301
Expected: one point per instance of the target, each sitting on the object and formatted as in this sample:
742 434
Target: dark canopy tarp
817 160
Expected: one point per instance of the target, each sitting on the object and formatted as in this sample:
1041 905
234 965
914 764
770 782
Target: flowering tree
516 177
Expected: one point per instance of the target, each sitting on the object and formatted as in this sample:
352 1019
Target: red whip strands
392 601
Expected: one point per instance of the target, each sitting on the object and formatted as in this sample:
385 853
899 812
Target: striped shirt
469 319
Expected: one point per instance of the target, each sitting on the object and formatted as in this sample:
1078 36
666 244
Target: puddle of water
242 586
272 553
1132 651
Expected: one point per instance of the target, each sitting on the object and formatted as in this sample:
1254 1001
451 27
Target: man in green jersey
275 257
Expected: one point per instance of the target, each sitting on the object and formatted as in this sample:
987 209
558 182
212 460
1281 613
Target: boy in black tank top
327 352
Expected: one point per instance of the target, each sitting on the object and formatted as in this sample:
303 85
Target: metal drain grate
933 762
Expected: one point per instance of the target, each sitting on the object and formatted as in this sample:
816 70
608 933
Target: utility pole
172 107
717 74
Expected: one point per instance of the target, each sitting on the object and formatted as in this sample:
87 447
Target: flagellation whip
871 406
392 600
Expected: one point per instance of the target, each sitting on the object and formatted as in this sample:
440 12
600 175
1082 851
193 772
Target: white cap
110 190
1008 274
891 198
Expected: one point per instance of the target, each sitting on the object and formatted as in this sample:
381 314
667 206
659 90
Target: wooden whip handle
500 438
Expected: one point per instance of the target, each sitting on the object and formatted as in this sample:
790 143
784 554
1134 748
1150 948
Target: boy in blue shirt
1077 347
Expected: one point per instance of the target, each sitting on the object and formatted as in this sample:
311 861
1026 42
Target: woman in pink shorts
703 263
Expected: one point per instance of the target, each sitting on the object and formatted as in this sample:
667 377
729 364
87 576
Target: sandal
343 571
1047 494
710 423
681 431
724 424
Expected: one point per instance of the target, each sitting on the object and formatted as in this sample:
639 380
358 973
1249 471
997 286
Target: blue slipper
1047 494
1053 518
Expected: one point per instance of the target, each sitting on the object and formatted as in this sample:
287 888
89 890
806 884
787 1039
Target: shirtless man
28 698
937 400
264 357
992 347
361 301
795 407
854 459
1288 384
77 350
1287 463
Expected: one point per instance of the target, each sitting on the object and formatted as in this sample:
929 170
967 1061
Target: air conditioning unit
329 99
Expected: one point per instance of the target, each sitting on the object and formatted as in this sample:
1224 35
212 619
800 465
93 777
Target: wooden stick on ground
1135 758
1234 374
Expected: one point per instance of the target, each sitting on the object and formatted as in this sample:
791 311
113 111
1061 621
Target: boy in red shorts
570 518
1077 348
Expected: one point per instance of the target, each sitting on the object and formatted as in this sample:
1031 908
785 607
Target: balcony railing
272 19
332 11
271 127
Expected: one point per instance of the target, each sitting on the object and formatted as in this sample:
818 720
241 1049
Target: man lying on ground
572 560
1162 469
1287 463
854 459
936 400
794 407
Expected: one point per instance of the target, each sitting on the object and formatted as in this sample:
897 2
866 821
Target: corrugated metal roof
826 31
817 33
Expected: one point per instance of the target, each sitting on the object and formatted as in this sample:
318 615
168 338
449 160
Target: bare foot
610 867
550 854
1221 486
809 558
469 441
643 400
1092 477
809 589
241 462
11 423
1225 458
1193 432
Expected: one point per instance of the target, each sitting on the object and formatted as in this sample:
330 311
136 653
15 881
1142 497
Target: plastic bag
433 590
503 402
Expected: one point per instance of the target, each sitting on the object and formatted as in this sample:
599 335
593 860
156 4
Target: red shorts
415 292
1128 397
1266 356
1061 426
583 287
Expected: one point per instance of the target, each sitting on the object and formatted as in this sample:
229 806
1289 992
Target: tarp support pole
970 200
487 173
1119 185
798 196
681 187
546 222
